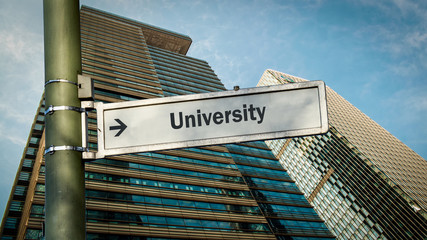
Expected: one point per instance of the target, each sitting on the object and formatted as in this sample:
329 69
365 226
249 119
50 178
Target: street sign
261 113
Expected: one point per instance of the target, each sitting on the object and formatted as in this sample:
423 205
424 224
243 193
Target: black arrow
121 127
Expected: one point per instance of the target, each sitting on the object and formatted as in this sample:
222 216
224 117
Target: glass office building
362 181
236 191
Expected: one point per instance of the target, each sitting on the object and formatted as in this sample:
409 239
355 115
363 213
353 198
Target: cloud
408 7
11 135
409 105
19 43
399 25
417 39
15 114
414 100
227 67
12 46
21 70
406 111
397 8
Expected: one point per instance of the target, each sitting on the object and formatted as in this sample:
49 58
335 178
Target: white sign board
260 113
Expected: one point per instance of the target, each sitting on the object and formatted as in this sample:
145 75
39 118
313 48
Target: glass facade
24 185
237 191
350 175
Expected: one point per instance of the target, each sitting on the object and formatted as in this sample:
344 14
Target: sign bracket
86 155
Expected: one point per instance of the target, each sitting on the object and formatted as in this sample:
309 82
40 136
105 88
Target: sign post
251 114
65 179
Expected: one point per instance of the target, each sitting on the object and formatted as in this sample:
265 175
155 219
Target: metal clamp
60 80
52 149
52 109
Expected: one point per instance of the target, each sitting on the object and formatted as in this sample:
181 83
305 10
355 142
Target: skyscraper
361 180
236 191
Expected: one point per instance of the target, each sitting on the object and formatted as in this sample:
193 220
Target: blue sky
373 53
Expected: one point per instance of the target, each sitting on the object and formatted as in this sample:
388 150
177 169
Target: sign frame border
101 107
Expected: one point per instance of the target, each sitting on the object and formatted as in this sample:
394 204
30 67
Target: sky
373 53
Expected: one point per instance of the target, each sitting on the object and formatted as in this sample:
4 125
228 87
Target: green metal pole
65 199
